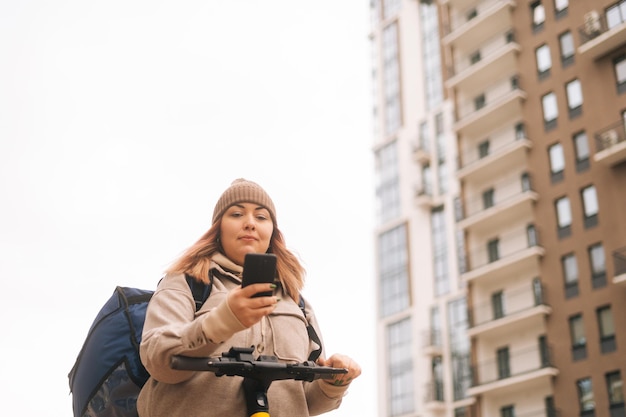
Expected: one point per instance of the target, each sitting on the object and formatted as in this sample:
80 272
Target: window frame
543 60
567 49
574 95
564 218
589 199
556 156
571 274
550 110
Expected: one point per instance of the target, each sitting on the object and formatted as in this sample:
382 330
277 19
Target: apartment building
502 206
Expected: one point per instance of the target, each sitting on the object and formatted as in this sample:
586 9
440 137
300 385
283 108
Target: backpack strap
312 333
200 290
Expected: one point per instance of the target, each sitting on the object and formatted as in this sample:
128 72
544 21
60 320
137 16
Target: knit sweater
173 327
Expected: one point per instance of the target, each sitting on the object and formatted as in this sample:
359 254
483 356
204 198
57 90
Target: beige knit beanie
243 191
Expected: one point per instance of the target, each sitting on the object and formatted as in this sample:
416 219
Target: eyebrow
257 208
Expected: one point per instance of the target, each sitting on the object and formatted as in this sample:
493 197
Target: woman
244 221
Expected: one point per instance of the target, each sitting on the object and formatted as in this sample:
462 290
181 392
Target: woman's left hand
341 361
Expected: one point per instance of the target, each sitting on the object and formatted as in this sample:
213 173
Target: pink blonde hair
196 260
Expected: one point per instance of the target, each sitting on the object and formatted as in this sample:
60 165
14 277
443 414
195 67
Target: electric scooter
258 374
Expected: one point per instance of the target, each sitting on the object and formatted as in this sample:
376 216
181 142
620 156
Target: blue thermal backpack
108 374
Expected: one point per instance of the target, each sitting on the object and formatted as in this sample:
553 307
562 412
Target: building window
488 199
394 276
566 42
483 149
435 327
437 379
504 369
475 57
497 305
459 346
525 181
400 371
441 274
590 206
574 98
493 250
538 14
431 54
442 177
390 8
550 111
544 62
598 265
507 411
620 73
616 14
427 180
570 274
581 147
607 329
577 335
560 8
391 74
550 407
479 102
520 131
614 387
585 396
531 234
424 139
563 217
388 187
557 162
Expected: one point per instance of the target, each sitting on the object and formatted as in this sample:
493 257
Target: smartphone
259 268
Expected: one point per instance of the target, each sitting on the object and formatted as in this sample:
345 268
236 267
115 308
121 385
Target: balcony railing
500 143
431 339
512 302
611 144
619 262
503 192
433 391
460 18
519 362
483 111
488 49
600 34
509 247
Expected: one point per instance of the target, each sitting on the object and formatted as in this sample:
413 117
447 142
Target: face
245 228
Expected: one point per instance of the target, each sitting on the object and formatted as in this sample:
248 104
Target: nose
250 223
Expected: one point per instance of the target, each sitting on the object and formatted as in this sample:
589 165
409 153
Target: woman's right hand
250 310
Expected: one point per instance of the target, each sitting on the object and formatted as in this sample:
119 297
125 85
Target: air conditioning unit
593 27
609 138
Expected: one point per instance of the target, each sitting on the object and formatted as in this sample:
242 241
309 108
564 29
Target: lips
248 238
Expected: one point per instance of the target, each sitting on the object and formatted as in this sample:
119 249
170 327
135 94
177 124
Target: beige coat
172 327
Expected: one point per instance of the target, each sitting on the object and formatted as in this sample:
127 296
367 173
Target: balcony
491 108
433 396
525 367
431 343
619 262
599 35
421 152
514 251
514 308
495 57
471 23
611 144
424 198
506 201
510 151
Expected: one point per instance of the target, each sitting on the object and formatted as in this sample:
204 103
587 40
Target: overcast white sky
121 122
